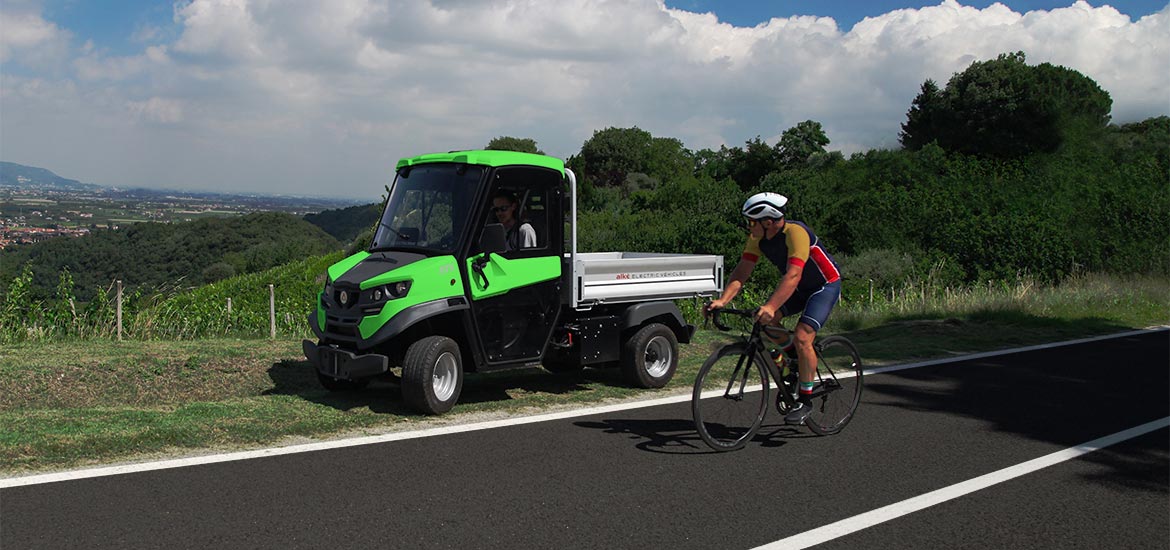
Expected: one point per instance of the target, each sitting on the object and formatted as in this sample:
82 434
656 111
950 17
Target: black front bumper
338 363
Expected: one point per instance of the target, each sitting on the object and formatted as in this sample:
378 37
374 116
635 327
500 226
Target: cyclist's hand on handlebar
712 306
765 314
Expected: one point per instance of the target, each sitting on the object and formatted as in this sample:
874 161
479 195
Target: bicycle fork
740 374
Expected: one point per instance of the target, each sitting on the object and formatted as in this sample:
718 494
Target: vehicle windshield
428 208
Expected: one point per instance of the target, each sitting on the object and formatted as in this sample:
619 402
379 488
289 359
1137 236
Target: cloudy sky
323 96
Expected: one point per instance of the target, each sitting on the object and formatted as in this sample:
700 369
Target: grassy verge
81 403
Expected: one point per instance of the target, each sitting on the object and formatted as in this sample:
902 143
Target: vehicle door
516 293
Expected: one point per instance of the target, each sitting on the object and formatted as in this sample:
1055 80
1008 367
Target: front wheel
838 386
432 375
730 397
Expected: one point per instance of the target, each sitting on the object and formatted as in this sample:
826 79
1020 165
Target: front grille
342 327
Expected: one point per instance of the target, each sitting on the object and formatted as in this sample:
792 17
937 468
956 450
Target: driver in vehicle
518 234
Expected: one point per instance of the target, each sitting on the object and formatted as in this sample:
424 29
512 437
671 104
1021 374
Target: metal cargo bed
618 277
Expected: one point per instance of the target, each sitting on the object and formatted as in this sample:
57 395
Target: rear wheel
730 398
432 375
650 356
838 386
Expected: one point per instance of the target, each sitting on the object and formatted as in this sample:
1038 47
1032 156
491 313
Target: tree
1005 108
508 143
799 143
611 154
922 124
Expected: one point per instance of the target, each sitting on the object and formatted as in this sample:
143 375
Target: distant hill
19 176
345 224
152 255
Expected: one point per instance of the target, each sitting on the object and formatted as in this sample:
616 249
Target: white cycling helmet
765 205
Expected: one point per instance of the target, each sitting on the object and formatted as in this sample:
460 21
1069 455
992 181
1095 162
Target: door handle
477 266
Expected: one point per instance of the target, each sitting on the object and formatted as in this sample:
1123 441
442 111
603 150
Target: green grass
79 403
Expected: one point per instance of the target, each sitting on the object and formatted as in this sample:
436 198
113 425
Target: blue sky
323 96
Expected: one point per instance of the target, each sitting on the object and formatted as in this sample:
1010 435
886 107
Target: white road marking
974 356
36 479
899 509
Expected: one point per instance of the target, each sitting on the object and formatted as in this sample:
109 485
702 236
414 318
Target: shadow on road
1057 395
679 436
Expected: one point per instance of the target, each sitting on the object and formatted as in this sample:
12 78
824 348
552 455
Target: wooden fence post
118 306
271 312
229 306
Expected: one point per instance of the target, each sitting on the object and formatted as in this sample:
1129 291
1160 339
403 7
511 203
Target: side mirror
494 239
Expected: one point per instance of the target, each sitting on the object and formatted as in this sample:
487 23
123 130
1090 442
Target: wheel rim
445 376
658 356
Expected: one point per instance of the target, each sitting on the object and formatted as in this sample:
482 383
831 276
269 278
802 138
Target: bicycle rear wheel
838 386
730 397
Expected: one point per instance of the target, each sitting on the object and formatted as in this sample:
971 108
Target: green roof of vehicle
487 158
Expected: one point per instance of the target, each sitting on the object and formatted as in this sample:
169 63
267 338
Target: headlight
328 292
387 292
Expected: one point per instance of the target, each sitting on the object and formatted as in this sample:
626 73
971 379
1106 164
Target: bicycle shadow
678 436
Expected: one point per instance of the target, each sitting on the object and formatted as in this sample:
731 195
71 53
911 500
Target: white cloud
157 109
316 95
29 36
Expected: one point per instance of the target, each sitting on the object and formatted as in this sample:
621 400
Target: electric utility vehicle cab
448 285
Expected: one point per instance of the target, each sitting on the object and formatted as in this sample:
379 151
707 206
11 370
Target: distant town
32 215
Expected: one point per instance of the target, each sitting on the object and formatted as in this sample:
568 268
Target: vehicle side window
532 192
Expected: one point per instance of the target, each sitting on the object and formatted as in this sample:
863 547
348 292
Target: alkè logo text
659 275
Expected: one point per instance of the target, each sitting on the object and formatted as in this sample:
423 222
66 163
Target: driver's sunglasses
500 208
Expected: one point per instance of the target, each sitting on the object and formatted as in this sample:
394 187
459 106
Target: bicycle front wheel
730 397
838 386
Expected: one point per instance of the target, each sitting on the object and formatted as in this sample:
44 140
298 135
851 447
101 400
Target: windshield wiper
403 236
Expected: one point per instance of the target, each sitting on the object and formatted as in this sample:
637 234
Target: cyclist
811 283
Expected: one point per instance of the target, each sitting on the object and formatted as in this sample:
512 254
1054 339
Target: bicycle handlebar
746 313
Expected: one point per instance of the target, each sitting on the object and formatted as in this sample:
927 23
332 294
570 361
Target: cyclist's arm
739 275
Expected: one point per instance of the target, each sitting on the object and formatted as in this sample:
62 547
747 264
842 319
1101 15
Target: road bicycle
730 397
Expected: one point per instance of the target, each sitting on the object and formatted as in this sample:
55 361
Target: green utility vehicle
450 286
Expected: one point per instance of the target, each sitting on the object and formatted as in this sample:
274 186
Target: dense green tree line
1094 205
152 255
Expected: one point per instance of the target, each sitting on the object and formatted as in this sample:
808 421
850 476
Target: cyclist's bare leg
805 335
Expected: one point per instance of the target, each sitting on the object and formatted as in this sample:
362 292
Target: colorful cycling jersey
795 245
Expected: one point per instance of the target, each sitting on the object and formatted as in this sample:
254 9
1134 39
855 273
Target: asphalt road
641 478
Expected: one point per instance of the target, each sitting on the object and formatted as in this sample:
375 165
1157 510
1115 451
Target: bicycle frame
756 347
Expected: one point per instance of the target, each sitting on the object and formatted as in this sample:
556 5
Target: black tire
650 356
838 386
432 375
339 385
729 418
